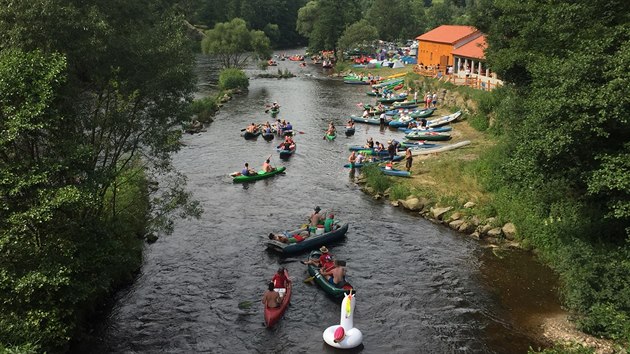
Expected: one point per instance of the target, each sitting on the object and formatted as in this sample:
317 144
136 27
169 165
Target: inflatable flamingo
344 335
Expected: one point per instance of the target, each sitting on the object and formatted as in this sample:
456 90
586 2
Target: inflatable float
344 335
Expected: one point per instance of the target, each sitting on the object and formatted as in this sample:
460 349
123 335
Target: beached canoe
383 159
311 242
431 136
323 282
396 172
443 120
392 99
260 175
273 315
437 149
436 129
371 120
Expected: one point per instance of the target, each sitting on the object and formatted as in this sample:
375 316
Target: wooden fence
476 82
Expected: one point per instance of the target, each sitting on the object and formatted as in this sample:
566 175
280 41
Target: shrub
375 178
399 191
204 108
230 79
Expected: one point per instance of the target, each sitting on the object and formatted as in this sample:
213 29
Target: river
421 288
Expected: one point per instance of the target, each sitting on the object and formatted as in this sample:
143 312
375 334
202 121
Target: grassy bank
595 285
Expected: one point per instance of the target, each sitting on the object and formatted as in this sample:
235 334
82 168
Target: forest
91 94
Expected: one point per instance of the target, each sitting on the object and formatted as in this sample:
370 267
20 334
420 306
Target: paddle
309 279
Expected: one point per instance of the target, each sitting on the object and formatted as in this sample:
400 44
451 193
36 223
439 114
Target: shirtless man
271 298
337 275
267 166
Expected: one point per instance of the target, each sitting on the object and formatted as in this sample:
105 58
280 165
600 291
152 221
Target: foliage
569 348
395 20
323 22
399 191
233 79
375 178
109 83
231 42
359 35
204 108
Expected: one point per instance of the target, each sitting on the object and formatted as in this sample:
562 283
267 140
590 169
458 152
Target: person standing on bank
408 159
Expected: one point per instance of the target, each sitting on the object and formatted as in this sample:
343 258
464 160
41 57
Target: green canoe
260 175
323 283
331 137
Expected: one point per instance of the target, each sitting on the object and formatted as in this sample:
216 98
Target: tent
398 64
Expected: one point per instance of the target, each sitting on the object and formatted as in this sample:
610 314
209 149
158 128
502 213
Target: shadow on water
421 287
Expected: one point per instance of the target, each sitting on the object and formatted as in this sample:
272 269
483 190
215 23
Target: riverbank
445 189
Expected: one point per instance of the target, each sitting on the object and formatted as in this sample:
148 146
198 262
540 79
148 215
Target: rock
495 232
387 191
490 221
469 205
151 237
466 227
455 224
412 204
476 235
509 230
483 229
455 216
493 240
377 196
437 213
369 190
475 220
394 203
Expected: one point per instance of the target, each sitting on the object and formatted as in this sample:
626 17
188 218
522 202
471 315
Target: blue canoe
382 159
375 121
284 153
436 130
395 172
311 242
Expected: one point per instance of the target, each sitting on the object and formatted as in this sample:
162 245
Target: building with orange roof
436 46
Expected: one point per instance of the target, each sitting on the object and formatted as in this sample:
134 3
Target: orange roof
447 34
473 49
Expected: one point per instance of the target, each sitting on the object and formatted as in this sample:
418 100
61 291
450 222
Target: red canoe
273 315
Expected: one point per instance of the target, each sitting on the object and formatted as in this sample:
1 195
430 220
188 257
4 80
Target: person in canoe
288 126
271 298
274 106
331 131
378 147
267 166
360 158
337 275
252 128
324 261
289 239
329 223
246 171
350 124
370 143
315 218
279 281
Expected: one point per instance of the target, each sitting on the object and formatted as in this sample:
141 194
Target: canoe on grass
443 120
311 242
436 129
396 172
323 282
431 136
392 99
273 315
286 153
437 149
260 175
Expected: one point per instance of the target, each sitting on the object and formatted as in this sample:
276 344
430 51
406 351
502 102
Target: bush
376 179
399 191
204 109
230 79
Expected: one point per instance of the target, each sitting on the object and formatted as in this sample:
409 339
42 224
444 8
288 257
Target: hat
323 249
389 141
317 208
332 216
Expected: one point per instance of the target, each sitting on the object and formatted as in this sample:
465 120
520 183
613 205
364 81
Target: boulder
490 221
455 224
412 204
395 203
476 235
483 229
369 190
455 216
509 230
437 213
469 205
466 227
151 237
495 232
475 220
377 196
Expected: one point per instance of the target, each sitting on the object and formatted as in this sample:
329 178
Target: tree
359 35
323 22
232 43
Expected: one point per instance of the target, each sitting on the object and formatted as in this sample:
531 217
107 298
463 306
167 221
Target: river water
421 288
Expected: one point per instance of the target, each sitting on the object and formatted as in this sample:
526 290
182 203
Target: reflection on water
421 288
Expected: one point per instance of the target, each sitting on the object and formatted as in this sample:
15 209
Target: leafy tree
359 35
232 43
394 19
323 22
